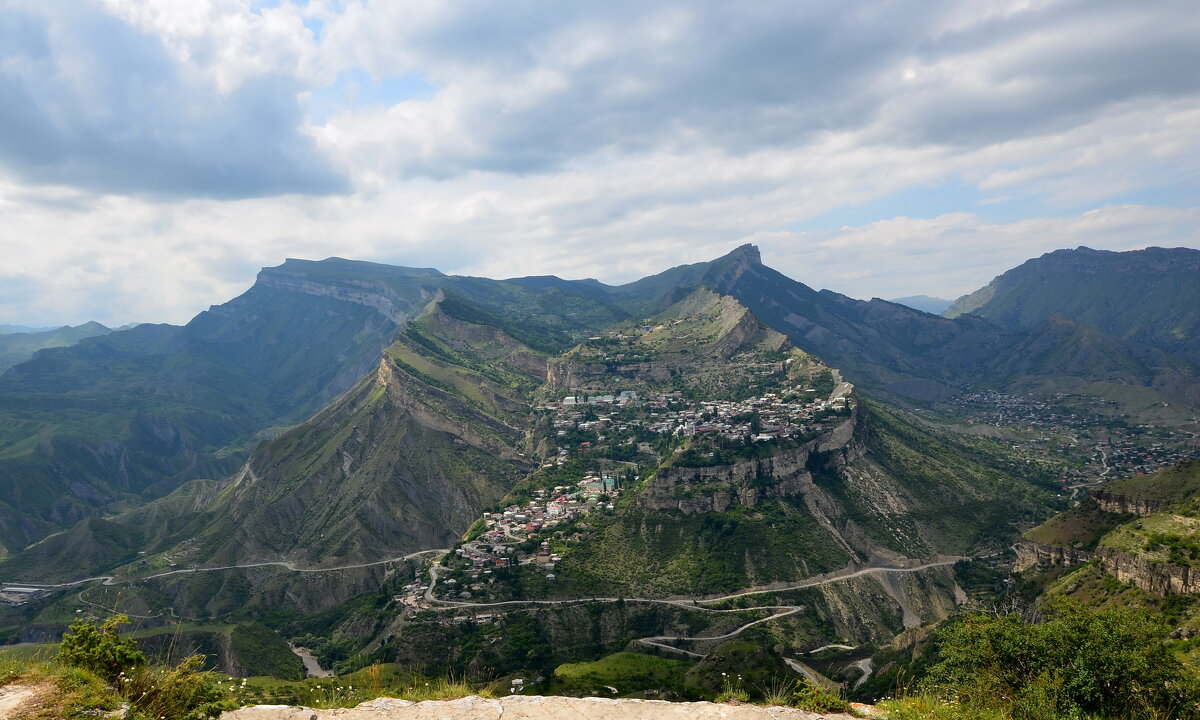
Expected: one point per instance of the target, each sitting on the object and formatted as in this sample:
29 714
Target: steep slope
1148 296
1062 355
17 347
132 415
401 463
907 354
877 344
878 488
404 461
1134 542
755 465
137 412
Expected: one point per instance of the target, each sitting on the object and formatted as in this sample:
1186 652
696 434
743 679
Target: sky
154 155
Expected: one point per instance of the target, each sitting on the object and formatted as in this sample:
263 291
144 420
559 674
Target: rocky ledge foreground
519 707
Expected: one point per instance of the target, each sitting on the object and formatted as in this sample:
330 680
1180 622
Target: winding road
286 564
111 580
659 641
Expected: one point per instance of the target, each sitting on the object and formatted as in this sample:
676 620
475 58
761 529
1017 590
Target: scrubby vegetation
1078 663
262 652
97 669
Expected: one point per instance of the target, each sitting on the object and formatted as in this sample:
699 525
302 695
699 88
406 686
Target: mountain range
340 418
131 415
924 303
1149 297
19 344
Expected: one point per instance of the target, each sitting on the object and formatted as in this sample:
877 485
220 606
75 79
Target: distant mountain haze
19 345
1149 296
925 303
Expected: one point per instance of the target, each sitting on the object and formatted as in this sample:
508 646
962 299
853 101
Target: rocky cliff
1155 578
1152 577
1129 504
1032 554
694 490
364 284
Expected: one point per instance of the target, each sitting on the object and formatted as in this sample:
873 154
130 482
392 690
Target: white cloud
953 254
606 140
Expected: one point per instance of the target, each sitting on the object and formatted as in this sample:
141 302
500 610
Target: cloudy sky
155 154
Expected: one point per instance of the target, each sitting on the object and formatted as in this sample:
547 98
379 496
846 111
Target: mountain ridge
1097 288
136 412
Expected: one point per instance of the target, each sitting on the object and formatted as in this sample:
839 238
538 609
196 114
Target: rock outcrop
1035 554
373 294
1154 578
693 490
1128 504
520 707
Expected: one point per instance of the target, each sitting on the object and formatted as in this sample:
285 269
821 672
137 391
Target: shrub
812 697
180 693
732 690
804 694
100 649
1110 663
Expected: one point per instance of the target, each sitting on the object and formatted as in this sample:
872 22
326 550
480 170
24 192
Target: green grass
63 693
626 671
652 553
1083 526
931 707
260 651
1161 538
27 654
1174 484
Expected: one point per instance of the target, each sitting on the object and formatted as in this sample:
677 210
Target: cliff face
746 328
1034 554
1140 506
564 374
695 490
369 290
1154 578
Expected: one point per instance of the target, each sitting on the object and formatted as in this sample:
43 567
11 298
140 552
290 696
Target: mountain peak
745 255
725 271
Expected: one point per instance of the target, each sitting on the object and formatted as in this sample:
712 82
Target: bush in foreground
182 692
1079 663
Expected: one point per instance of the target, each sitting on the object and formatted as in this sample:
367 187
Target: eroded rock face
694 490
520 707
1110 502
1034 554
1154 578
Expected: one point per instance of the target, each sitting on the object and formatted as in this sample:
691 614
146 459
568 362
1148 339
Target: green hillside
1143 536
1148 296
1174 485
1086 525
17 347
132 415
